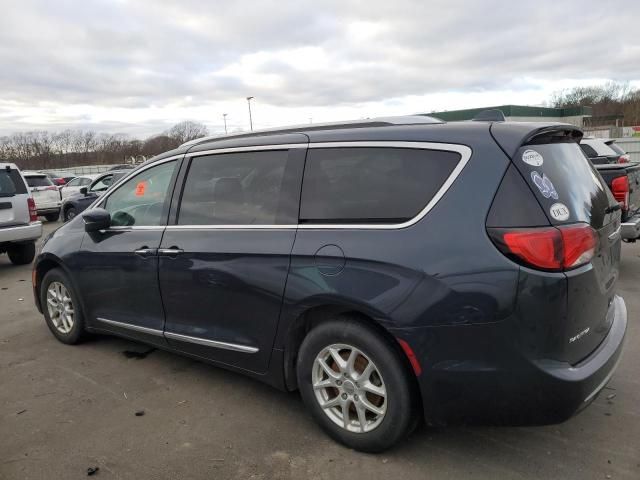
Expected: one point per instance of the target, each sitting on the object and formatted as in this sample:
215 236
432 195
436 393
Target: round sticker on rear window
532 158
559 211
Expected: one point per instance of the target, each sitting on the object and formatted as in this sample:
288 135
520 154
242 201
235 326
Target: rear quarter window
566 184
371 185
11 183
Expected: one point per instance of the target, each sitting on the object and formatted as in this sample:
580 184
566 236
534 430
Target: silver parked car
19 225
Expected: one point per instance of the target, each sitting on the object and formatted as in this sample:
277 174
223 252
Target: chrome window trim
255 148
464 151
129 326
211 343
232 227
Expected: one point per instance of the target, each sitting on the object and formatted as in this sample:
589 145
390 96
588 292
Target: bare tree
185 131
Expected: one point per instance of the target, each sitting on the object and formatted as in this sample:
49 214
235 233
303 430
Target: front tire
61 307
69 213
22 254
356 385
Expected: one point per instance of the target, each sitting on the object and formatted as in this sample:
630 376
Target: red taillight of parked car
547 248
623 158
620 190
33 212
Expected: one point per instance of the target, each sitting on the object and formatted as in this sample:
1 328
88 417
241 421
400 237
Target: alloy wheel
349 388
60 307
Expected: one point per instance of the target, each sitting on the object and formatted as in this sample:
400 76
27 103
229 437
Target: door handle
172 252
145 252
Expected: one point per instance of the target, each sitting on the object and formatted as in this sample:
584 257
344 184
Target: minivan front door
118 268
224 262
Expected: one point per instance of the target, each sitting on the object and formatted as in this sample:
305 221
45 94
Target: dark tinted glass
244 188
11 183
39 181
588 150
566 184
347 185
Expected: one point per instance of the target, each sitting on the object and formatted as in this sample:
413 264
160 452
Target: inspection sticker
532 157
544 185
140 188
559 211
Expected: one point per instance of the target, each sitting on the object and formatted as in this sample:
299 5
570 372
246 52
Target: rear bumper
500 386
630 230
21 233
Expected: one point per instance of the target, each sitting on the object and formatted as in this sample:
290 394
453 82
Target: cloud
136 65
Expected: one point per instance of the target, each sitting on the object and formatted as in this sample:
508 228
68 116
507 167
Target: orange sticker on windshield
140 188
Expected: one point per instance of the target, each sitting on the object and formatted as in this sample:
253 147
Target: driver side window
102 184
140 201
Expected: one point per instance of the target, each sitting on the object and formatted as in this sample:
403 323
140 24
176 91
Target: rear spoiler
512 135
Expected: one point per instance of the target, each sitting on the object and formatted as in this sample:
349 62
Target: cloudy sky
139 66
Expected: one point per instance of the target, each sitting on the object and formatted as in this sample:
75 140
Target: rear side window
11 183
588 150
565 183
244 188
371 185
39 181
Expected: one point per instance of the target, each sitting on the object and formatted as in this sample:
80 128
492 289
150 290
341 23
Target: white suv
19 225
45 194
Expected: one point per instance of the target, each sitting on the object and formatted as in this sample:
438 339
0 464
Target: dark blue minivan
392 270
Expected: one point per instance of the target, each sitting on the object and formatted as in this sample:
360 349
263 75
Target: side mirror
84 190
96 219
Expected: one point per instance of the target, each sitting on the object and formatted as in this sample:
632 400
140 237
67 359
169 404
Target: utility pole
224 117
250 119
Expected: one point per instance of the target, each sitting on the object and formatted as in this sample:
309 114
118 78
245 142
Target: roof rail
492 115
368 122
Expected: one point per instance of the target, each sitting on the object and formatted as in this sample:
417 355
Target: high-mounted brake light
33 212
620 190
547 248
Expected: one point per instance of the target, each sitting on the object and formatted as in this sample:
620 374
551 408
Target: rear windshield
39 181
565 183
11 183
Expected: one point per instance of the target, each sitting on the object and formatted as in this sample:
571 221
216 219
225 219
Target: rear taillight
547 248
620 190
33 212
623 159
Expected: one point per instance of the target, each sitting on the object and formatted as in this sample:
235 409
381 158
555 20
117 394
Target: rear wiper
613 208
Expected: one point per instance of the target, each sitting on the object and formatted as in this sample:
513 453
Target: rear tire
349 385
22 254
61 307
69 213
52 217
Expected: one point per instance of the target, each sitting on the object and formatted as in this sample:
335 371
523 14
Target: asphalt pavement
64 409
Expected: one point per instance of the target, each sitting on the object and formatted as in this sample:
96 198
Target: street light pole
250 119
224 117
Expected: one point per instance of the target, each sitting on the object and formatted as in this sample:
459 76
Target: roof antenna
493 115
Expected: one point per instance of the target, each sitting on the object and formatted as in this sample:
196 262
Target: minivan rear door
570 191
223 263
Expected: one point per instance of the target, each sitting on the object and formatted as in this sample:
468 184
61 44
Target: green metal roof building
522 113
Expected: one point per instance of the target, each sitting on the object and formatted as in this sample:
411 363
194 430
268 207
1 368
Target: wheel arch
44 265
314 316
